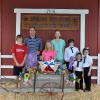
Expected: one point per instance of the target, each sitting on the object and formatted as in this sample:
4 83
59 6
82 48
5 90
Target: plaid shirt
33 44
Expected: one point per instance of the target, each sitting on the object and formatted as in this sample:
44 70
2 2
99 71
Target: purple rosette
71 63
31 60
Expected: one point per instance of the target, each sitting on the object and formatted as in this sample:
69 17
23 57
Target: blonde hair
46 48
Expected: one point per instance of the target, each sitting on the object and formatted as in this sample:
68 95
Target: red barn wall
99 27
0 22
8 20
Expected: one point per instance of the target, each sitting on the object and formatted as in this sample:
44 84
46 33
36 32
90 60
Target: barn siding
8 22
0 22
99 27
8 19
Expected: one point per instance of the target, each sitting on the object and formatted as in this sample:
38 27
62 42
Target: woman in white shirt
87 64
78 71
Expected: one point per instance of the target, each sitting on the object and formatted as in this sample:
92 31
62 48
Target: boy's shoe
86 90
81 89
76 89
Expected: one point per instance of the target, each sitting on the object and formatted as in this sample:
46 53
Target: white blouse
88 61
79 67
69 53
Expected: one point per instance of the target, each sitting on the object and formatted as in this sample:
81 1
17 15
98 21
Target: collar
86 56
71 46
79 60
32 38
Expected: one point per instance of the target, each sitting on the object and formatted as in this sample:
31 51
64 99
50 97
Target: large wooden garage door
69 25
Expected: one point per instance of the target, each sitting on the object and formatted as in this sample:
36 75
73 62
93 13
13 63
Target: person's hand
22 64
74 58
17 64
38 52
41 58
89 73
82 75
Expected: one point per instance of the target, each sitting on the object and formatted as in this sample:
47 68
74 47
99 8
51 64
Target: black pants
79 85
17 70
87 79
70 70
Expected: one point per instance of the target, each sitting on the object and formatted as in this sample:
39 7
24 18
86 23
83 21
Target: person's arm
91 63
63 50
23 62
40 47
63 46
13 50
15 60
25 41
89 73
77 50
24 59
54 54
43 56
66 56
52 42
74 66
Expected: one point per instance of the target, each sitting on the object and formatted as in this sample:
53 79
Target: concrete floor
43 83
26 90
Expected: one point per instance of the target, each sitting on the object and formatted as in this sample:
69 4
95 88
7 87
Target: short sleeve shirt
88 61
78 68
58 47
20 52
68 53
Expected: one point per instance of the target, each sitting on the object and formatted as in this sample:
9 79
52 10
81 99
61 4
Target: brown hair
88 49
70 40
19 36
79 53
59 32
32 27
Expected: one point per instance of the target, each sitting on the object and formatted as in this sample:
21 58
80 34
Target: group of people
77 62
